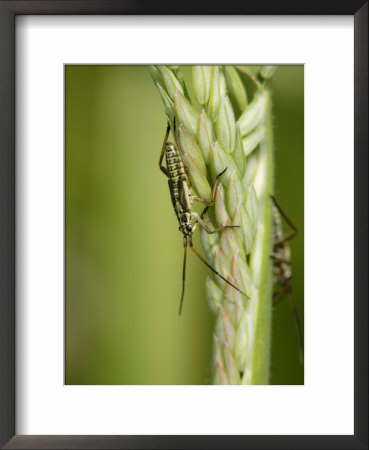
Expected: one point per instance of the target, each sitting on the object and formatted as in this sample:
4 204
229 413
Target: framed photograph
183 235
148 234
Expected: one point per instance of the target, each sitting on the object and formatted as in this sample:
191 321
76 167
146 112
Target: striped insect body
180 185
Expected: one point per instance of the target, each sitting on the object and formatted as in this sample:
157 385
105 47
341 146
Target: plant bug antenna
183 273
215 271
206 263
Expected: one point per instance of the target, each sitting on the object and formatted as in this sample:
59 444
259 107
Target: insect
282 267
179 183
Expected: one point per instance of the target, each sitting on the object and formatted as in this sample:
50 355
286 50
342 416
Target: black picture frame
8 12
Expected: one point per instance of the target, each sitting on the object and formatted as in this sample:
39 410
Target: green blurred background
123 248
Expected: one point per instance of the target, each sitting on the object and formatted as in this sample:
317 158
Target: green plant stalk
263 270
230 132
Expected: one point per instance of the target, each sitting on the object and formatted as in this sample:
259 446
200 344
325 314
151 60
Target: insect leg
202 215
278 260
297 323
183 272
285 281
290 235
162 168
206 228
278 295
211 201
212 268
